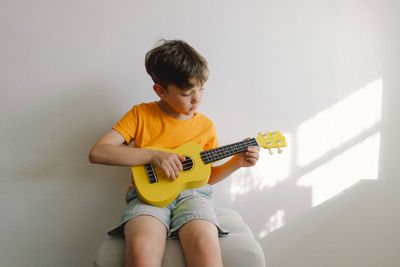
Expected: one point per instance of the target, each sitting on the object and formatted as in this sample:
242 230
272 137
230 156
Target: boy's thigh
141 215
192 208
144 224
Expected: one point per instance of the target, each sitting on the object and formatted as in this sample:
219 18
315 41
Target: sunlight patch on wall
275 222
360 162
348 127
269 171
339 123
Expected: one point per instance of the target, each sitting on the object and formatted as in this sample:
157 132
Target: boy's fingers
177 168
178 163
181 158
252 156
165 171
253 148
168 169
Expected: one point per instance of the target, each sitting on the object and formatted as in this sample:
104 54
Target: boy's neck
169 111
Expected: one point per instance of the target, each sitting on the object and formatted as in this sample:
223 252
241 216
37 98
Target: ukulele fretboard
222 152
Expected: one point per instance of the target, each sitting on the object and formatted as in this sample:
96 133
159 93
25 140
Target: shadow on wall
328 153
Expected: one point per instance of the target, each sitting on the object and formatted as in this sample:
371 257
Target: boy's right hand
169 163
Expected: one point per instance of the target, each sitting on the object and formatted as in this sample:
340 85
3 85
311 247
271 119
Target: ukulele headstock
271 140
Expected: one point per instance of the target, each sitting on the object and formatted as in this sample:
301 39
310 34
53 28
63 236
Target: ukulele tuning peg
280 150
271 152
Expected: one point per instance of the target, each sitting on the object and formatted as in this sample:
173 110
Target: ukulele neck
216 154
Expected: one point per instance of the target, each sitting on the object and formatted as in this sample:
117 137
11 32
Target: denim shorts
190 204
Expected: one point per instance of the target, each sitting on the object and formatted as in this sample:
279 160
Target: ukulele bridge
151 174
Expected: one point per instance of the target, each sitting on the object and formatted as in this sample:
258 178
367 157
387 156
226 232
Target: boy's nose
196 98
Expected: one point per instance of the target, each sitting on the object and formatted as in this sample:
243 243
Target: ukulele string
229 150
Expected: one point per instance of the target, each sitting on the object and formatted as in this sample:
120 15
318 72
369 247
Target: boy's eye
190 93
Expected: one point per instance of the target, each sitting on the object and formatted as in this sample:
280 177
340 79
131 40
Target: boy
179 73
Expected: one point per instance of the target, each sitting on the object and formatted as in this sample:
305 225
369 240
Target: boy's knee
141 251
139 245
206 243
200 234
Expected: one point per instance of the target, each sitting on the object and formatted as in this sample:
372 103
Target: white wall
324 73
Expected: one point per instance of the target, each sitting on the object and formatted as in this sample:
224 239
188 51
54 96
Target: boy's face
181 103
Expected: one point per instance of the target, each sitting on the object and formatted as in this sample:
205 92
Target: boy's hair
176 62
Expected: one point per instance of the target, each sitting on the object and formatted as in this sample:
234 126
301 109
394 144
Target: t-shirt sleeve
212 141
127 126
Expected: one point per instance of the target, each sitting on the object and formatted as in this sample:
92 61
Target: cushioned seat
239 248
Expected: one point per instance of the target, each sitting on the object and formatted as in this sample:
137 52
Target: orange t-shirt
147 125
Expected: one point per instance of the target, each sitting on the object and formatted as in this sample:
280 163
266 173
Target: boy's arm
110 150
245 159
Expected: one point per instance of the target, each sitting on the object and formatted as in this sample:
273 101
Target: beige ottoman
239 248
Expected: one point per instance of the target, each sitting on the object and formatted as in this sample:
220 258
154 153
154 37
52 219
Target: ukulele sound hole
187 164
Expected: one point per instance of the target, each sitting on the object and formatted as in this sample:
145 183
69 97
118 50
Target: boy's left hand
248 158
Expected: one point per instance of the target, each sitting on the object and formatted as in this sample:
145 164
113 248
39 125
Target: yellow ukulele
156 189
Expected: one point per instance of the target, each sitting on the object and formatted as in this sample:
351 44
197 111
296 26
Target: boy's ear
160 91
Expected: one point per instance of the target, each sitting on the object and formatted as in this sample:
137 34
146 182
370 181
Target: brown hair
176 62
